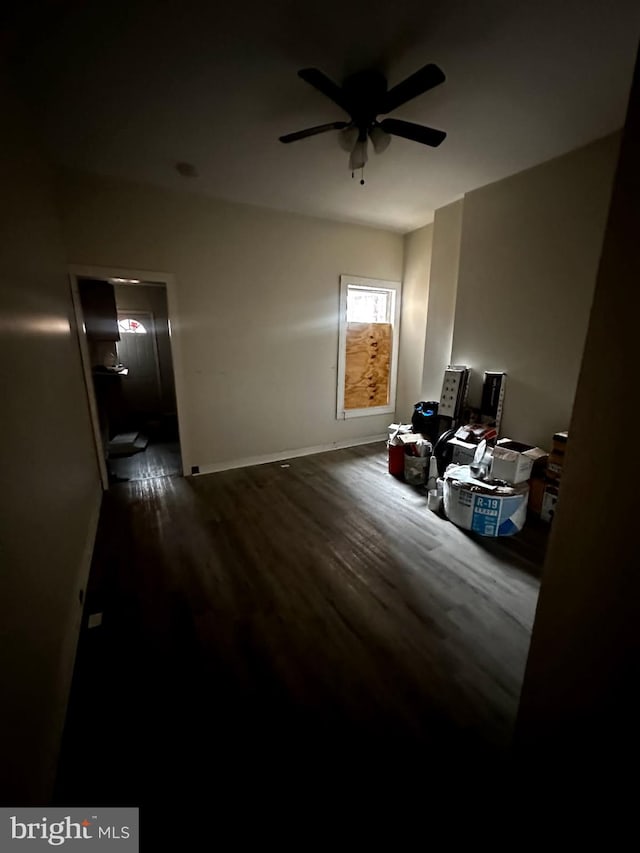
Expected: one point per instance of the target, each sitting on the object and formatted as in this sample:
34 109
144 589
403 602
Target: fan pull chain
362 180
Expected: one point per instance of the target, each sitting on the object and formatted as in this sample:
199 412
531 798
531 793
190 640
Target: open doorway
128 361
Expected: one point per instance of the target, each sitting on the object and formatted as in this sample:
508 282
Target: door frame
85 360
144 277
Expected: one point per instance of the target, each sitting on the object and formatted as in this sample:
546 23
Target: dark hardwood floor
158 459
302 623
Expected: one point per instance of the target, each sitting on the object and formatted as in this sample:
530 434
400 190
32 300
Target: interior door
137 351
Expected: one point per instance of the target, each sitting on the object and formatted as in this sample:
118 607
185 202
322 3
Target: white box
463 451
513 465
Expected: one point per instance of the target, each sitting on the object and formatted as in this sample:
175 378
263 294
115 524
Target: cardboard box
536 494
463 451
554 466
556 457
410 438
396 430
549 502
476 432
415 446
514 462
560 440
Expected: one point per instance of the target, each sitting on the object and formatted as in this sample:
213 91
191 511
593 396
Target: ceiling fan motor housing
364 92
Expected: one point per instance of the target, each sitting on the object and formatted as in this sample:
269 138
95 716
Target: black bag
425 419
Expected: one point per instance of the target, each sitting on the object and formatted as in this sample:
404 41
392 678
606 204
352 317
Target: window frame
395 287
131 331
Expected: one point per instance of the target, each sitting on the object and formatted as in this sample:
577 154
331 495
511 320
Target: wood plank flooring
159 459
299 621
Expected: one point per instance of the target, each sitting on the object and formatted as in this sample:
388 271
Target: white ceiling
132 88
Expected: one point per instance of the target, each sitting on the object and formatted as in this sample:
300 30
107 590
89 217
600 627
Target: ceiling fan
364 96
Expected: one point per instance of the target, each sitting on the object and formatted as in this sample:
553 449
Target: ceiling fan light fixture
380 139
347 138
359 155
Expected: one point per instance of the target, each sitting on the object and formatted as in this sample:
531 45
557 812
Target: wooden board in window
368 365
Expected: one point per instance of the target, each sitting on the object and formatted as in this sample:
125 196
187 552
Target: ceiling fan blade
415 132
421 81
319 80
380 139
312 131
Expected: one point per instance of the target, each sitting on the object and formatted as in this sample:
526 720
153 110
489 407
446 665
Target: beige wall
413 321
528 259
579 708
256 308
50 488
443 286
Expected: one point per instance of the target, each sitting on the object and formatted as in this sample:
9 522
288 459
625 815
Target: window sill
364 413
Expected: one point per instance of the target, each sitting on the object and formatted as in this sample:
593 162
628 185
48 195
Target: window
130 327
365 305
368 354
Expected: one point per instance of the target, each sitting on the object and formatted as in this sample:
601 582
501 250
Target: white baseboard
289 454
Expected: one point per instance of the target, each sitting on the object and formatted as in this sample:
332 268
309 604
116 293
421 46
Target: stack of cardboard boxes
516 463
553 474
